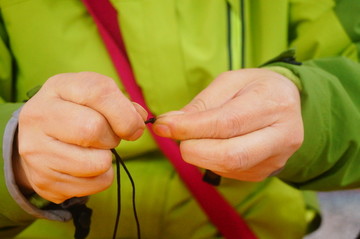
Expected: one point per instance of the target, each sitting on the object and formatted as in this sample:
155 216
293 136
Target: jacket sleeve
12 217
16 211
327 40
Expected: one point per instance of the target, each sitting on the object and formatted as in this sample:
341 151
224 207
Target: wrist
19 173
286 73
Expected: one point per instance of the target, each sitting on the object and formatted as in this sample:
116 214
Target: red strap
219 211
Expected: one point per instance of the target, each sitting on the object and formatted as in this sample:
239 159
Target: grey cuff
21 200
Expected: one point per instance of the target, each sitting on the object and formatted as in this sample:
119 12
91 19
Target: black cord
133 198
118 193
150 121
118 162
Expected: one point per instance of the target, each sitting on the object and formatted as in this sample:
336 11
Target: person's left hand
244 125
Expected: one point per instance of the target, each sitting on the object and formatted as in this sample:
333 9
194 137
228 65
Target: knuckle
98 184
97 84
114 142
298 140
295 139
91 129
197 105
29 114
91 86
57 81
286 101
53 80
286 104
180 131
25 113
25 149
262 87
226 127
126 131
278 163
102 164
107 180
235 160
40 183
234 123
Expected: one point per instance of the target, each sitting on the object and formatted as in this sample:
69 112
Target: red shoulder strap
218 210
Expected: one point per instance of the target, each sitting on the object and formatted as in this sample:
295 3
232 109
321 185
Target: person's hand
66 132
244 125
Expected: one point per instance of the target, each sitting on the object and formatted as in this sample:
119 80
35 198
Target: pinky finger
65 186
267 168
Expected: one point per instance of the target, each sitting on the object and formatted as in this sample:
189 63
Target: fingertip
136 135
165 122
133 127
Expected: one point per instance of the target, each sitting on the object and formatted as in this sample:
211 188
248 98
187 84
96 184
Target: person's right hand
66 132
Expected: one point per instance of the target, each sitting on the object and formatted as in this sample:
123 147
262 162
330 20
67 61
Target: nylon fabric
351 28
167 210
16 214
225 218
339 161
342 10
67 41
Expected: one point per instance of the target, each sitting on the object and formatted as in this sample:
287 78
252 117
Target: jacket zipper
236 34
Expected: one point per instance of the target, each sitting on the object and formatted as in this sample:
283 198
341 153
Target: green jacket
177 48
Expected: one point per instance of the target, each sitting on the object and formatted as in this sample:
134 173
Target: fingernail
171 113
143 113
162 130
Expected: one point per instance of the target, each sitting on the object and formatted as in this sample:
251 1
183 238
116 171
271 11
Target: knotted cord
119 162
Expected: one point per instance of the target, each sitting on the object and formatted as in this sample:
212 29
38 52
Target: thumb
225 87
192 121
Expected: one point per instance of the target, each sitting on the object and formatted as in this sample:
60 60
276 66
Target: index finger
100 93
241 115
